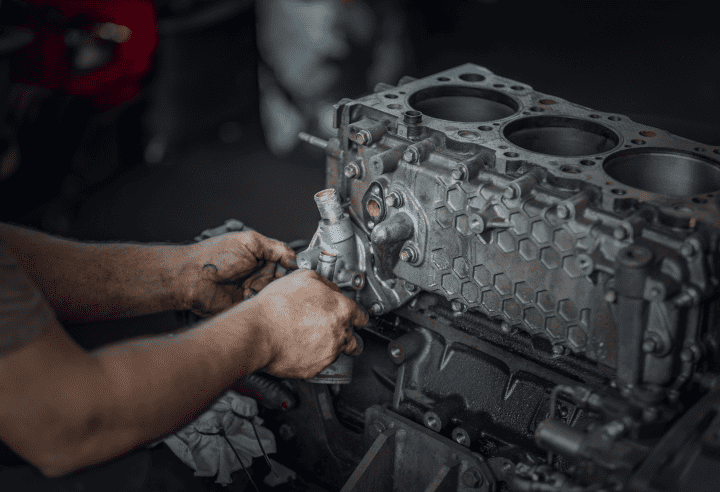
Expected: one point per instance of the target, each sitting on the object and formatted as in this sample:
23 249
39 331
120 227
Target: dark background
656 62
189 152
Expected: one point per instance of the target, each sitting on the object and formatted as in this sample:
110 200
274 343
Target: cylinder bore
664 172
463 104
559 136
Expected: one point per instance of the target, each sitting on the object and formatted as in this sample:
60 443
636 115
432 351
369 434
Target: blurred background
141 120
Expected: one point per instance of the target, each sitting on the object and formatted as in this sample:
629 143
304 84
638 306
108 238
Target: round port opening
463 104
664 172
373 208
562 137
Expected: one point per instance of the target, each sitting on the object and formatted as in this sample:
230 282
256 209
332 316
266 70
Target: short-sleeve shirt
24 312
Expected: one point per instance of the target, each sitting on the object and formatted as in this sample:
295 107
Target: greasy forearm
89 282
137 391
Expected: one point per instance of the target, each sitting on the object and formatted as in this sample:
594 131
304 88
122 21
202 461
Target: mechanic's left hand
226 269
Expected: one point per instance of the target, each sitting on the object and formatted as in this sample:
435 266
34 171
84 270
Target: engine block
544 275
592 231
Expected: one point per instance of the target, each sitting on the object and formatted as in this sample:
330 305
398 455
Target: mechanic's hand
306 323
226 269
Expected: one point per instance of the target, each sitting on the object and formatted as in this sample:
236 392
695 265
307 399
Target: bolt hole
699 200
391 96
537 109
471 77
595 116
394 106
496 124
546 101
503 147
614 118
512 154
443 79
587 162
485 128
637 141
618 191
647 133
517 88
499 86
699 149
570 170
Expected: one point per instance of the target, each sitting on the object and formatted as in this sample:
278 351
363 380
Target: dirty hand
226 269
305 323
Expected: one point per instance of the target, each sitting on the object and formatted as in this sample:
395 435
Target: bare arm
90 282
62 408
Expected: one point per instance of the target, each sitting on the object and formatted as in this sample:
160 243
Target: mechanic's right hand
306 323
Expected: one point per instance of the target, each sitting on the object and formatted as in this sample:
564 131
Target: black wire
222 433
263 449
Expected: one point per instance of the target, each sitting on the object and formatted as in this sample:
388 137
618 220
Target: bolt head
408 254
558 350
363 137
562 211
458 174
510 193
351 170
410 287
506 327
610 296
370 224
472 478
358 281
410 155
649 345
458 306
619 233
376 308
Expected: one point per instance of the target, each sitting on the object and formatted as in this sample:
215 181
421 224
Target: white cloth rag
201 446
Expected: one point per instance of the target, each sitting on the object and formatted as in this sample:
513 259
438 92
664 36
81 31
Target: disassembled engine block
542 279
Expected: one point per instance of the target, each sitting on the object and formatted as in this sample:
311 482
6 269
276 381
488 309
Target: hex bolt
410 287
472 478
510 192
458 174
687 355
649 346
411 155
619 233
358 281
610 296
376 308
559 350
562 211
376 189
394 199
352 170
408 254
370 224
364 137
458 306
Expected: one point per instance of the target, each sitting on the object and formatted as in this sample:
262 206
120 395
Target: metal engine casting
542 279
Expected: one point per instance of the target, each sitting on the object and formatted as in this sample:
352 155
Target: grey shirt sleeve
24 312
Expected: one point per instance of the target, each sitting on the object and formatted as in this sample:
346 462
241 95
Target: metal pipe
329 205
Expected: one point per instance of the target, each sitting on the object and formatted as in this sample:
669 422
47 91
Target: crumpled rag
202 447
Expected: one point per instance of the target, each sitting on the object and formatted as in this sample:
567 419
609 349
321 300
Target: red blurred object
48 60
